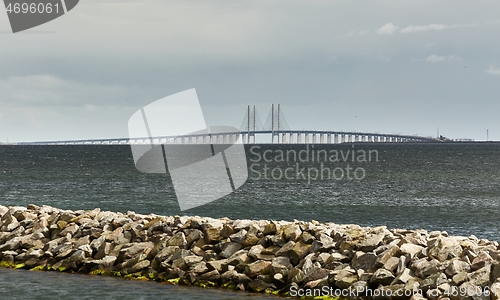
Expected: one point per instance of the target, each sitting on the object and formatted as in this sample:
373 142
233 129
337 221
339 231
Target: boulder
229 249
382 276
446 248
364 261
178 239
256 268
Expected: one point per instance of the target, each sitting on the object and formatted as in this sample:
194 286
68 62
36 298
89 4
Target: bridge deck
283 136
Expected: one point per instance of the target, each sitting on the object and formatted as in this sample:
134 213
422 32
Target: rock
78 256
106 262
212 276
97 243
239 257
456 266
199 268
425 268
446 248
299 250
382 276
365 261
403 278
495 272
250 240
139 266
194 236
387 254
281 265
327 242
286 250
270 229
480 277
212 230
3 210
315 273
238 237
258 286
391 264
144 247
256 268
255 251
63 250
495 291
219 265
178 240
292 233
370 242
432 281
411 249
459 278
482 260
166 253
229 249
34 253
71 229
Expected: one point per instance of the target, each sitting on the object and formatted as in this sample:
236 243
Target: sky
407 67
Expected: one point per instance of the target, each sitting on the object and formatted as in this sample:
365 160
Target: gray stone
456 266
292 233
382 276
370 242
166 253
387 254
219 265
364 261
139 266
256 268
446 248
403 277
482 260
281 265
258 286
238 237
391 264
239 257
199 268
178 240
480 277
192 260
229 249
286 249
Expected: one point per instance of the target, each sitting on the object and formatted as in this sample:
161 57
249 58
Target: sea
452 187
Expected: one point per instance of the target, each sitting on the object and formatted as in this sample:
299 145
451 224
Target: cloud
434 58
355 33
492 70
435 27
388 28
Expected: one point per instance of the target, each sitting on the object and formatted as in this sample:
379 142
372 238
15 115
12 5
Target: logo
26 14
170 135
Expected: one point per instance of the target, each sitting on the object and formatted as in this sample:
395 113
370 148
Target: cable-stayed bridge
275 130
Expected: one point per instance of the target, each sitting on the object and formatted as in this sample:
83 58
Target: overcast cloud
385 66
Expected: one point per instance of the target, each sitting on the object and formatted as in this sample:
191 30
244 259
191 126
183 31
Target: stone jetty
297 258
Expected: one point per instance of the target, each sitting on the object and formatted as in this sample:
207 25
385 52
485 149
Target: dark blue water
451 187
23 284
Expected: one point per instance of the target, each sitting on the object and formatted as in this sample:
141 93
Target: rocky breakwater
286 258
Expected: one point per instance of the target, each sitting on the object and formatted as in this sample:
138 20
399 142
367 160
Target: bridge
275 129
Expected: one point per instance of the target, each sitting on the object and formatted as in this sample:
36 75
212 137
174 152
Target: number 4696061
32 8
